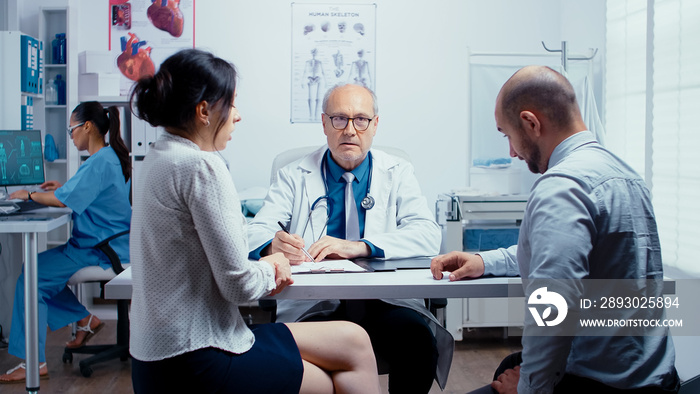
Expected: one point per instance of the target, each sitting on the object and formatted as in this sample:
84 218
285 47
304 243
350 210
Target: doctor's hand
459 264
337 248
283 272
507 382
50 185
290 245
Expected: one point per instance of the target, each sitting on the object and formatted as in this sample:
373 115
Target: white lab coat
400 223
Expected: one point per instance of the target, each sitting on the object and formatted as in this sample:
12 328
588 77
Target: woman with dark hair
98 195
190 265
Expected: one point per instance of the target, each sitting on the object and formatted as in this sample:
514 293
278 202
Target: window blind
675 100
625 80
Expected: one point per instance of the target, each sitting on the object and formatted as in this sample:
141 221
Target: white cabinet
137 134
473 224
52 21
50 119
53 119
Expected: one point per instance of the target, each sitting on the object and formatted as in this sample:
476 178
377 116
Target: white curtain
661 146
486 80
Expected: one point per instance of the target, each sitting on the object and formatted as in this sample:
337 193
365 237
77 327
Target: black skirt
272 365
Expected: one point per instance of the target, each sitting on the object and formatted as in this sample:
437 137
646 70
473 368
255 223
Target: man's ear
530 123
324 119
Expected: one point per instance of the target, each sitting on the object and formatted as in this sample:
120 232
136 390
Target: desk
402 283
29 225
412 283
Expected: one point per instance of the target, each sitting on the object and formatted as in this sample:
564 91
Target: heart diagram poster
143 33
331 44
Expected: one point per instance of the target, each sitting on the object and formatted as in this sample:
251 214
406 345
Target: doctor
392 220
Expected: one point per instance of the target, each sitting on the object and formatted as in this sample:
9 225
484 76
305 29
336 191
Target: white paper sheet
327 266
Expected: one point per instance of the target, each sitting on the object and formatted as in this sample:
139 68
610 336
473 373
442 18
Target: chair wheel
86 371
67 357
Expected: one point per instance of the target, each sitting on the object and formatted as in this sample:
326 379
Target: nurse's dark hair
170 97
106 120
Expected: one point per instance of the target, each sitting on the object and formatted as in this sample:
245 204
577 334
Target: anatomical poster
143 33
331 44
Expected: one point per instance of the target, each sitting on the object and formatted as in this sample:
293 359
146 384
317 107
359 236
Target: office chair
98 274
435 305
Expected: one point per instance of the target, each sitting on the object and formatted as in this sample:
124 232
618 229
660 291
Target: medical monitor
21 158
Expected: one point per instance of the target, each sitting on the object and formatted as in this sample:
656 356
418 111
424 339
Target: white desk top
410 283
37 221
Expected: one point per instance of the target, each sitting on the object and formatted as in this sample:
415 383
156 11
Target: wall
9 17
421 72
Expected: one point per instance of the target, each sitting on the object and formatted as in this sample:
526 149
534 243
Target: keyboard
30 205
8 208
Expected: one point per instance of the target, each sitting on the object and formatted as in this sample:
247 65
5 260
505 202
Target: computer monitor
21 158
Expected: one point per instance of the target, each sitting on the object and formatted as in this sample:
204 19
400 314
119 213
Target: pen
302 249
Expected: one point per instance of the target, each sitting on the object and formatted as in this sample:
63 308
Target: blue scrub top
99 198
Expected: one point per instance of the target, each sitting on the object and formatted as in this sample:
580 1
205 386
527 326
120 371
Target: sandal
91 332
24 378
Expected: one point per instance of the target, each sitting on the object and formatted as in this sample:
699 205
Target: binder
27 113
34 66
40 84
24 113
29 64
138 136
151 135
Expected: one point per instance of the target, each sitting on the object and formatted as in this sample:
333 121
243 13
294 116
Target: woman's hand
20 195
50 185
283 271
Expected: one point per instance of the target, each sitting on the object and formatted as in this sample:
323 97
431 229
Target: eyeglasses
70 129
341 122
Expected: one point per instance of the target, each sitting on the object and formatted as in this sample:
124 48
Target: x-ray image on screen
21 158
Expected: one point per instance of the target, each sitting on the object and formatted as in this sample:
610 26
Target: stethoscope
367 203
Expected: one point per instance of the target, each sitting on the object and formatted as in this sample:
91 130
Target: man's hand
507 382
460 264
283 272
290 245
337 248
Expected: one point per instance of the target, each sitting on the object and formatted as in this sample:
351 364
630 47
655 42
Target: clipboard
383 265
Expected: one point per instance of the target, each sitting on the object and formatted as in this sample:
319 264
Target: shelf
39 96
105 99
63 107
50 66
57 161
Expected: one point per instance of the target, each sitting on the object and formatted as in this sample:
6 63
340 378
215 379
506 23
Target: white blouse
189 255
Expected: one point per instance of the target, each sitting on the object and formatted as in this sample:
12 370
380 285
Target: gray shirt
589 216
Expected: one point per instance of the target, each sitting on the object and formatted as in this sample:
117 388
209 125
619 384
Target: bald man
589 216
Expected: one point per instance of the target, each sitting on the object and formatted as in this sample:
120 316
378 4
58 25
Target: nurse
98 194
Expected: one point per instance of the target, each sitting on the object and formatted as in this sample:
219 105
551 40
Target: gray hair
324 107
